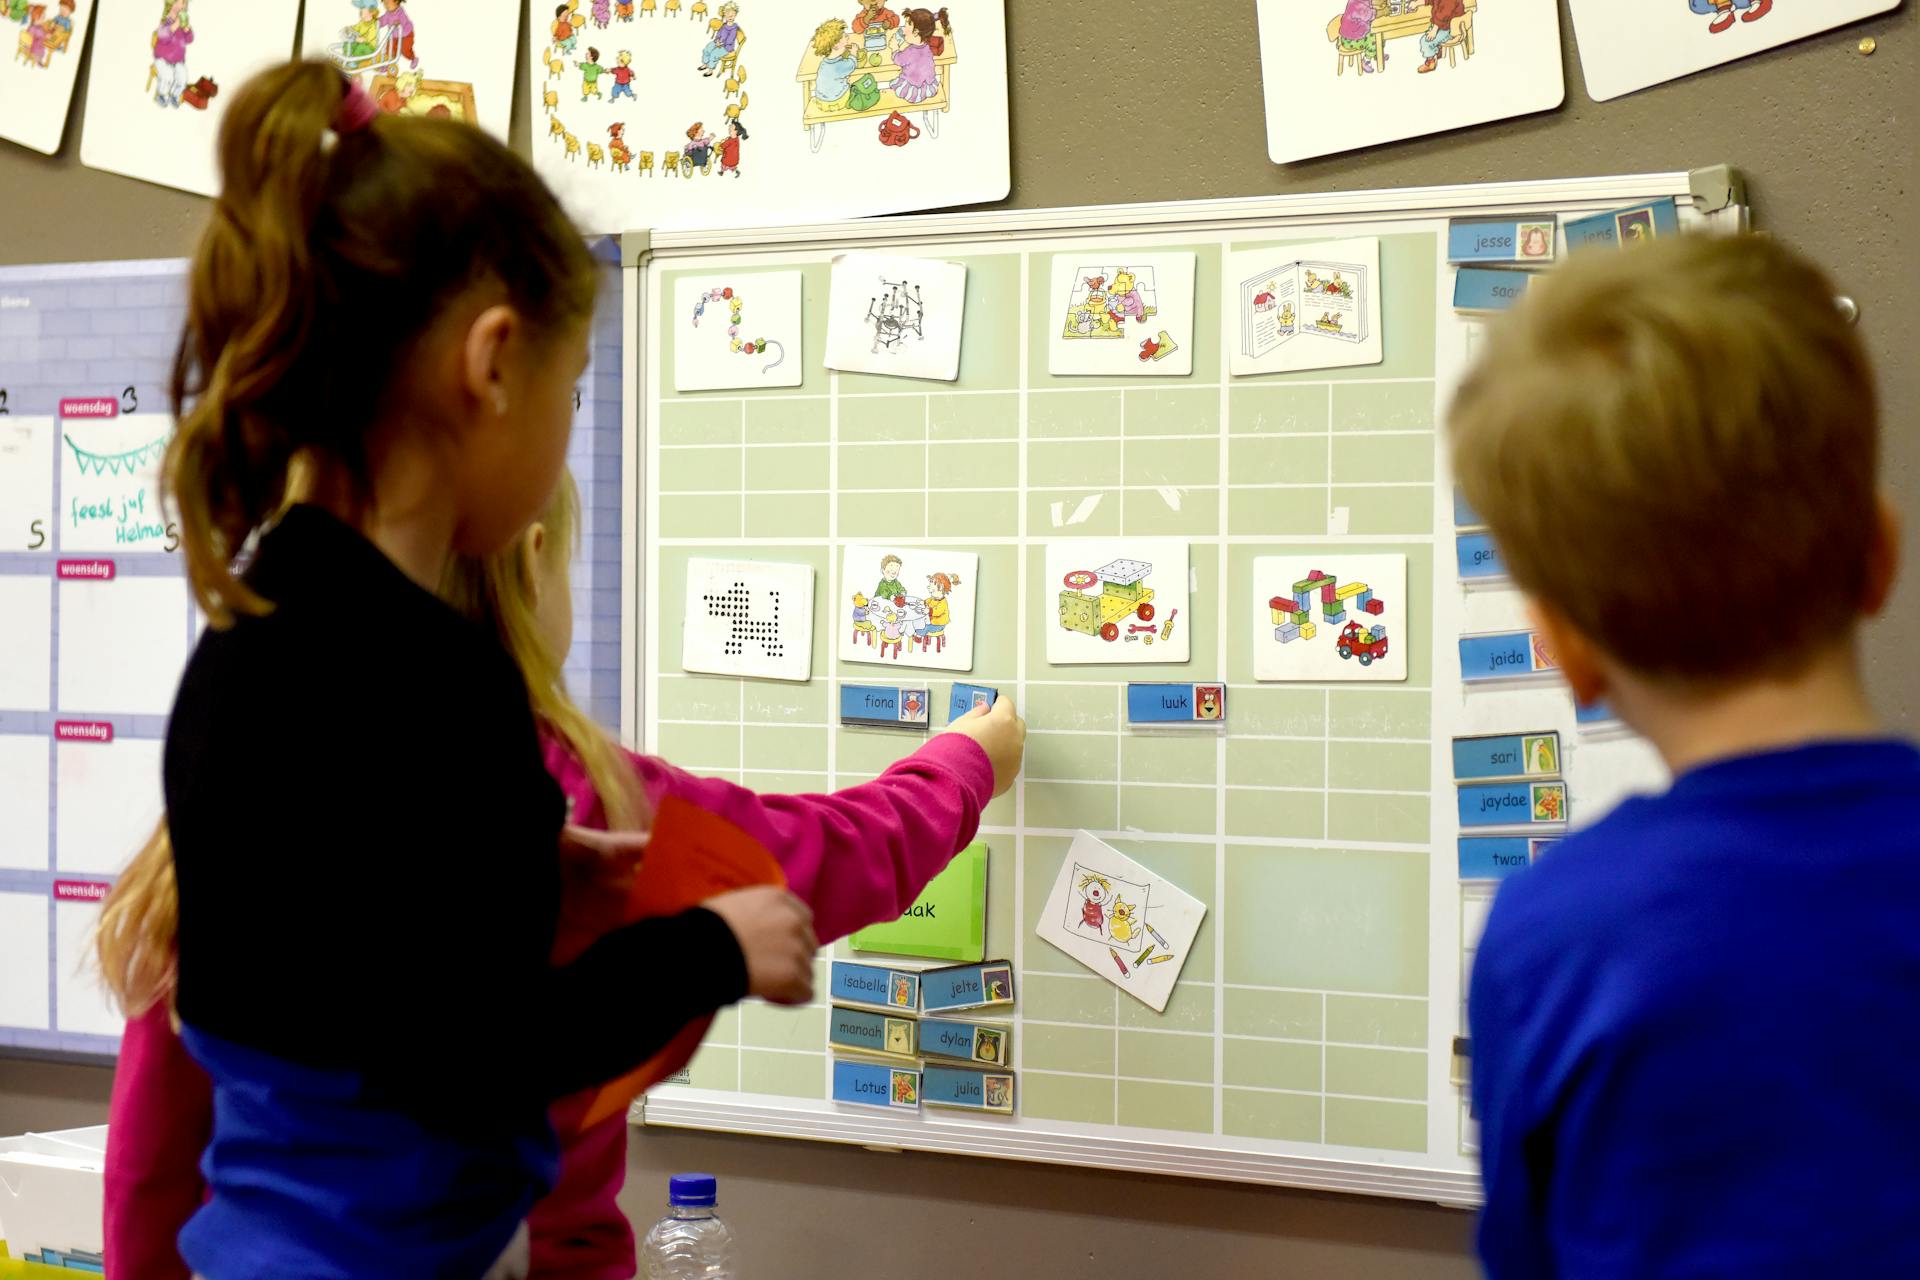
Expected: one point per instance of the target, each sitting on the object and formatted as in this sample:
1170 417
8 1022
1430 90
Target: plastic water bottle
690 1243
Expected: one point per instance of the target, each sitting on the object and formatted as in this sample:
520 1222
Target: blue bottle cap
692 1190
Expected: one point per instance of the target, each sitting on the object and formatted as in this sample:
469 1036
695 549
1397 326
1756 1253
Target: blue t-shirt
1696 1031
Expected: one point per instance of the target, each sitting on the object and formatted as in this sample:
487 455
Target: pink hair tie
357 111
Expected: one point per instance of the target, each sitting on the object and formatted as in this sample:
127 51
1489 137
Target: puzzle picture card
1121 920
1673 38
737 332
896 316
1313 306
1121 314
748 618
1329 617
435 58
1359 73
908 607
1116 601
37 76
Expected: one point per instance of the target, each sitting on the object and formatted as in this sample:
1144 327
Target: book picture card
37 77
1330 617
876 1084
879 1035
1121 315
443 59
1121 920
896 316
736 332
26 483
1679 37
1314 306
1116 600
967 1089
1513 804
948 921
110 479
748 618
1358 73
909 607
162 77
967 986
988 1042
873 986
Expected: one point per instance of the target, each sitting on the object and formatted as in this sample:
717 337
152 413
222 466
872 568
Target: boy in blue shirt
1696 1024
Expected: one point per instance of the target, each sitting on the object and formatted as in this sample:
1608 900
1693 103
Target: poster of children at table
37 75
162 77
909 607
1673 38
684 114
1345 74
447 59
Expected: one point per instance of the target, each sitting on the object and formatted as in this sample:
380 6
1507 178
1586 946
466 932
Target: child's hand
1001 733
775 933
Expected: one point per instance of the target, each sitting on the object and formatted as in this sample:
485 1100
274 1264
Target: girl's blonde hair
141 917
828 34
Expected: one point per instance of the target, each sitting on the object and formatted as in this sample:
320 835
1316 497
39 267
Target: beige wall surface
1125 100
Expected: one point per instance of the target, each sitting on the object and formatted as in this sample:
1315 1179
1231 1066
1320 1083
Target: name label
1478 558
83 731
967 986
1513 804
1464 516
1501 240
990 1043
873 985
1489 289
883 706
968 1089
1504 655
968 696
1493 857
1176 703
1514 755
865 1031
873 1084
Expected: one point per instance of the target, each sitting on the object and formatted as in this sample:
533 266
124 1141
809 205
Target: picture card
1666 41
1327 618
967 986
896 316
877 1034
444 59
26 483
1506 756
1358 73
876 706
1164 705
37 77
1121 314
1513 804
1121 920
1116 600
748 618
988 1042
873 986
966 697
967 1089
738 331
909 607
875 1084
1500 656
1623 228
1314 306
947 921
163 76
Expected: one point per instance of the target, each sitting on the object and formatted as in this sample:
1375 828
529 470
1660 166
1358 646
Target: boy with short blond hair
1696 1024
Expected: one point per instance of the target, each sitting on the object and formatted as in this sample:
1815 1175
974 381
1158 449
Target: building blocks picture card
1121 315
1303 307
1330 617
1625 49
443 59
38 74
1116 601
1120 920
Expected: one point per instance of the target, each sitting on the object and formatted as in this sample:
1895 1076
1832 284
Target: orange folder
691 856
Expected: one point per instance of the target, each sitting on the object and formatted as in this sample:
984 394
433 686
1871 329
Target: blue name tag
968 696
965 1041
1513 804
872 985
1502 655
1464 516
870 1032
874 1084
1479 558
967 986
1514 755
1621 228
1493 857
1501 240
1176 703
1594 716
1489 289
883 705
969 1089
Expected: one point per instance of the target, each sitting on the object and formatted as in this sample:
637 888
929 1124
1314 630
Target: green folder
947 922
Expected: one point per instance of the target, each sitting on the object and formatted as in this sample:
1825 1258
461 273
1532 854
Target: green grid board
1312 1016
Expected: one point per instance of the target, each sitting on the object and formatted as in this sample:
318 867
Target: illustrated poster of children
461 53
37 78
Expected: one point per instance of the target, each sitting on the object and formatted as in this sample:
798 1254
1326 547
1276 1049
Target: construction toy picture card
1676 38
1116 601
1120 920
37 81
748 618
1117 315
1313 306
899 317
437 59
737 332
161 79
908 607
1322 618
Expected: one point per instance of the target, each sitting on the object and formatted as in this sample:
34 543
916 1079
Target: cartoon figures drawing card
439 58
1667 39
1345 74
896 316
1116 601
737 332
1330 617
907 607
1120 920
1121 315
1304 307
45 38
162 76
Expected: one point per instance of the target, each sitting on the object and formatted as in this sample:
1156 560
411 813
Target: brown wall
1121 100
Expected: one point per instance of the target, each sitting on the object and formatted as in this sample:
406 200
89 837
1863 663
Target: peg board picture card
1625 50
1121 316
683 114
749 618
918 612
896 316
163 76
1313 306
1330 617
1120 920
438 58
737 332
1348 74
38 74
1116 601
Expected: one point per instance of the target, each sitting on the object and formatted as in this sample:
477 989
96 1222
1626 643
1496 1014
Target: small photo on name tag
967 1089
876 1084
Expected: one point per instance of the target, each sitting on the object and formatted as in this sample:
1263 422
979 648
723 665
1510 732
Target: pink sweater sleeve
159 1123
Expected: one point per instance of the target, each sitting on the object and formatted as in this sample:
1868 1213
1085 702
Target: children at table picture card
1625 48
40 66
1116 601
1121 920
440 58
1345 74
737 331
162 77
1336 617
1120 314
900 317
909 608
